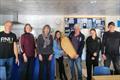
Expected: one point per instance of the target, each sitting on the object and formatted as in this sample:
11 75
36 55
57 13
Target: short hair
111 23
8 21
26 26
77 25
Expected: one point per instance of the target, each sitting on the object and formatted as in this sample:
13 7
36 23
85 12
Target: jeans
8 64
115 60
2 73
77 62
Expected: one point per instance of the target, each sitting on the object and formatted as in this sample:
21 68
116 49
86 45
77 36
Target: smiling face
58 35
46 30
28 29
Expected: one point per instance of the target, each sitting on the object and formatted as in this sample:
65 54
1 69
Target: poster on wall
85 23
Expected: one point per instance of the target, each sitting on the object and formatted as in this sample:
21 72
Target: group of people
45 47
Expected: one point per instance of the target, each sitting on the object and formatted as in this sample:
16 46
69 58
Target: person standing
28 49
45 51
8 49
110 47
93 46
58 52
77 39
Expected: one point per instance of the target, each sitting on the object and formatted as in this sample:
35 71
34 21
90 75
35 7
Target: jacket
92 46
111 43
58 52
45 51
80 43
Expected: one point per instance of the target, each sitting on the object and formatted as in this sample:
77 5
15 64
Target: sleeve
70 35
98 45
39 45
87 42
88 47
81 45
34 41
51 44
15 38
22 44
103 44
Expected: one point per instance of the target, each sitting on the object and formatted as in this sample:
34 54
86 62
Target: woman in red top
28 49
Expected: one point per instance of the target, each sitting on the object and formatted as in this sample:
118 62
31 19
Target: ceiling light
20 0
93 2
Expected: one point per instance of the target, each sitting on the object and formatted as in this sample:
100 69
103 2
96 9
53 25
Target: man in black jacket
110 47
77 39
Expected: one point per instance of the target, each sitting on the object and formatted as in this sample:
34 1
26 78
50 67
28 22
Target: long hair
26 26
55 37
48 26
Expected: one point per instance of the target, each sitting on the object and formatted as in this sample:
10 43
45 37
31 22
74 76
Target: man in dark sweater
110 47
8 49
77 39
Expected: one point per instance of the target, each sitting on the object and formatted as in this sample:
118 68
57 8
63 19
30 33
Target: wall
38 21
55 21
3 18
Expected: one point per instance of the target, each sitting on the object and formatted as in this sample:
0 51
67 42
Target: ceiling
60 7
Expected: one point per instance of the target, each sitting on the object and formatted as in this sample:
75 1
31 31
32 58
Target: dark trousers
90 64
115 60
27 69
43 64
61 68
8 64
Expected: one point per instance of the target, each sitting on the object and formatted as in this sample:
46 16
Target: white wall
37 22
3 18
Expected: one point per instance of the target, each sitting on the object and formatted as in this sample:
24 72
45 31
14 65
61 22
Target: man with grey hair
77 39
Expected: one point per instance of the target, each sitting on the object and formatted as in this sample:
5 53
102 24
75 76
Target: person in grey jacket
45 51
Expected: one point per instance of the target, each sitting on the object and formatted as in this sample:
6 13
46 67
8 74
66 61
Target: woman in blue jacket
59 54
